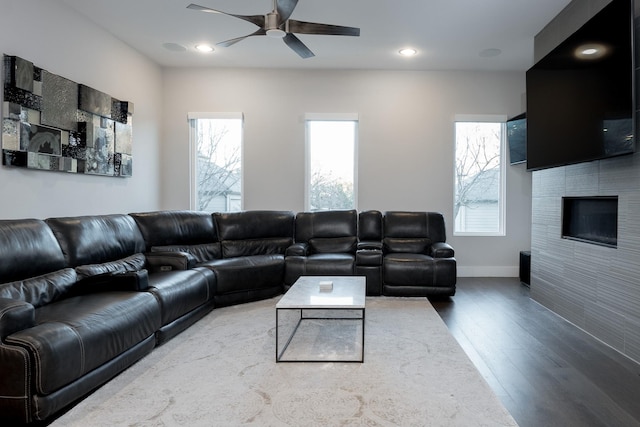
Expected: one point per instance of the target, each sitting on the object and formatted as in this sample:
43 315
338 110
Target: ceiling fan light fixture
276 33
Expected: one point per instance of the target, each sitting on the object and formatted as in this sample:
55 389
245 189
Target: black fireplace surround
591 219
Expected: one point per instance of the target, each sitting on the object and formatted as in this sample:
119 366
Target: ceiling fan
278 25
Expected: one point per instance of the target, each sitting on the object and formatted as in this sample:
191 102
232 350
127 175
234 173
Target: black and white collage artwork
52 123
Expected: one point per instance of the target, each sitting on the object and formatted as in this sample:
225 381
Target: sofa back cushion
41 290
254 232
412 232
328 231
176 228
193 232
97 239
28 248
370 225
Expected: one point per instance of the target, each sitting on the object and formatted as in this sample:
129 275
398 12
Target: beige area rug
222 372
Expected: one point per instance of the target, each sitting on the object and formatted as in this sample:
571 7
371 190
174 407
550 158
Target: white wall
54 37
405 141
406 131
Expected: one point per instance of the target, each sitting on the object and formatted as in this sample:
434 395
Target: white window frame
502 202
192 118
330 117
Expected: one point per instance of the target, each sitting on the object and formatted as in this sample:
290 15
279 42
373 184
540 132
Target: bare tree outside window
329 192
331 155
478 177
218 164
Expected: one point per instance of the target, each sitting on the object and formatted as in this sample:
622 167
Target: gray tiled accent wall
597 288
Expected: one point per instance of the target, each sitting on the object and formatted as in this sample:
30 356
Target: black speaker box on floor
525 268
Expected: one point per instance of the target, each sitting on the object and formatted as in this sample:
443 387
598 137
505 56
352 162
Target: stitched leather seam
28 345
82 351
27 384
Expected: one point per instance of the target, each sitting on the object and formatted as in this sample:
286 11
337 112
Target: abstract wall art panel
95 102
52 123
11 134
124 141
123 164
14 158
11 110
41 139
22 97
19 72
59 101
126 167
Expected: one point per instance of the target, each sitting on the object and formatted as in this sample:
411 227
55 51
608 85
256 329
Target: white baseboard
489 271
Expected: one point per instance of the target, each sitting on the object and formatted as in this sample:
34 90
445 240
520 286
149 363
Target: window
331 161
216 161
479 176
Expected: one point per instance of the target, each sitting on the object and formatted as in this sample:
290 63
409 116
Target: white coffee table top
347 292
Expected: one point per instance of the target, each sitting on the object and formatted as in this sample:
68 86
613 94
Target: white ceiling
448 34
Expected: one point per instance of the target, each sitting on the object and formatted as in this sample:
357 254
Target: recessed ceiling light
174 47
204 48
407 51
591 51
491 52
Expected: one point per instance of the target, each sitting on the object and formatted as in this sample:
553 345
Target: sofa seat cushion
180 291
202 252
319 265
250 247
408 269
345 244
407 245
247 273
76 335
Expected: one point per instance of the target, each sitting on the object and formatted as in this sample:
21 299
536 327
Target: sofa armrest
442 250
369 257
130 281
370 244
15 315
297 249
169 260
115 281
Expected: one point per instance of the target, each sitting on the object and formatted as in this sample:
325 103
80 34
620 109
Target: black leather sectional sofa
83 298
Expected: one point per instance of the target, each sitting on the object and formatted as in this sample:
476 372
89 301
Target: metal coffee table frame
346 288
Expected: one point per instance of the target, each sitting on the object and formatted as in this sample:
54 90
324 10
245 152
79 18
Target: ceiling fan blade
254 19
227 43
297 46
285 9
301 27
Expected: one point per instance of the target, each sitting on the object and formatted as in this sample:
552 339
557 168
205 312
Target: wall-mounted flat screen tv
517 138
580 102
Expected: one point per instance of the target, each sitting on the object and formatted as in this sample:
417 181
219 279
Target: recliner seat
325 244
417 260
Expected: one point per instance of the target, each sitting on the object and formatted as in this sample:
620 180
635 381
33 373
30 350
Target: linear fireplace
591 219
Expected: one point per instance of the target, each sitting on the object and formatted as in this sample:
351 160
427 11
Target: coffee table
312 304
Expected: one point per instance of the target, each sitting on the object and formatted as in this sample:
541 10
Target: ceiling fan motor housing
271 25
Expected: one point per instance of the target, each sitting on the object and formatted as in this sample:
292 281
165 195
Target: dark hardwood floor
546 371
